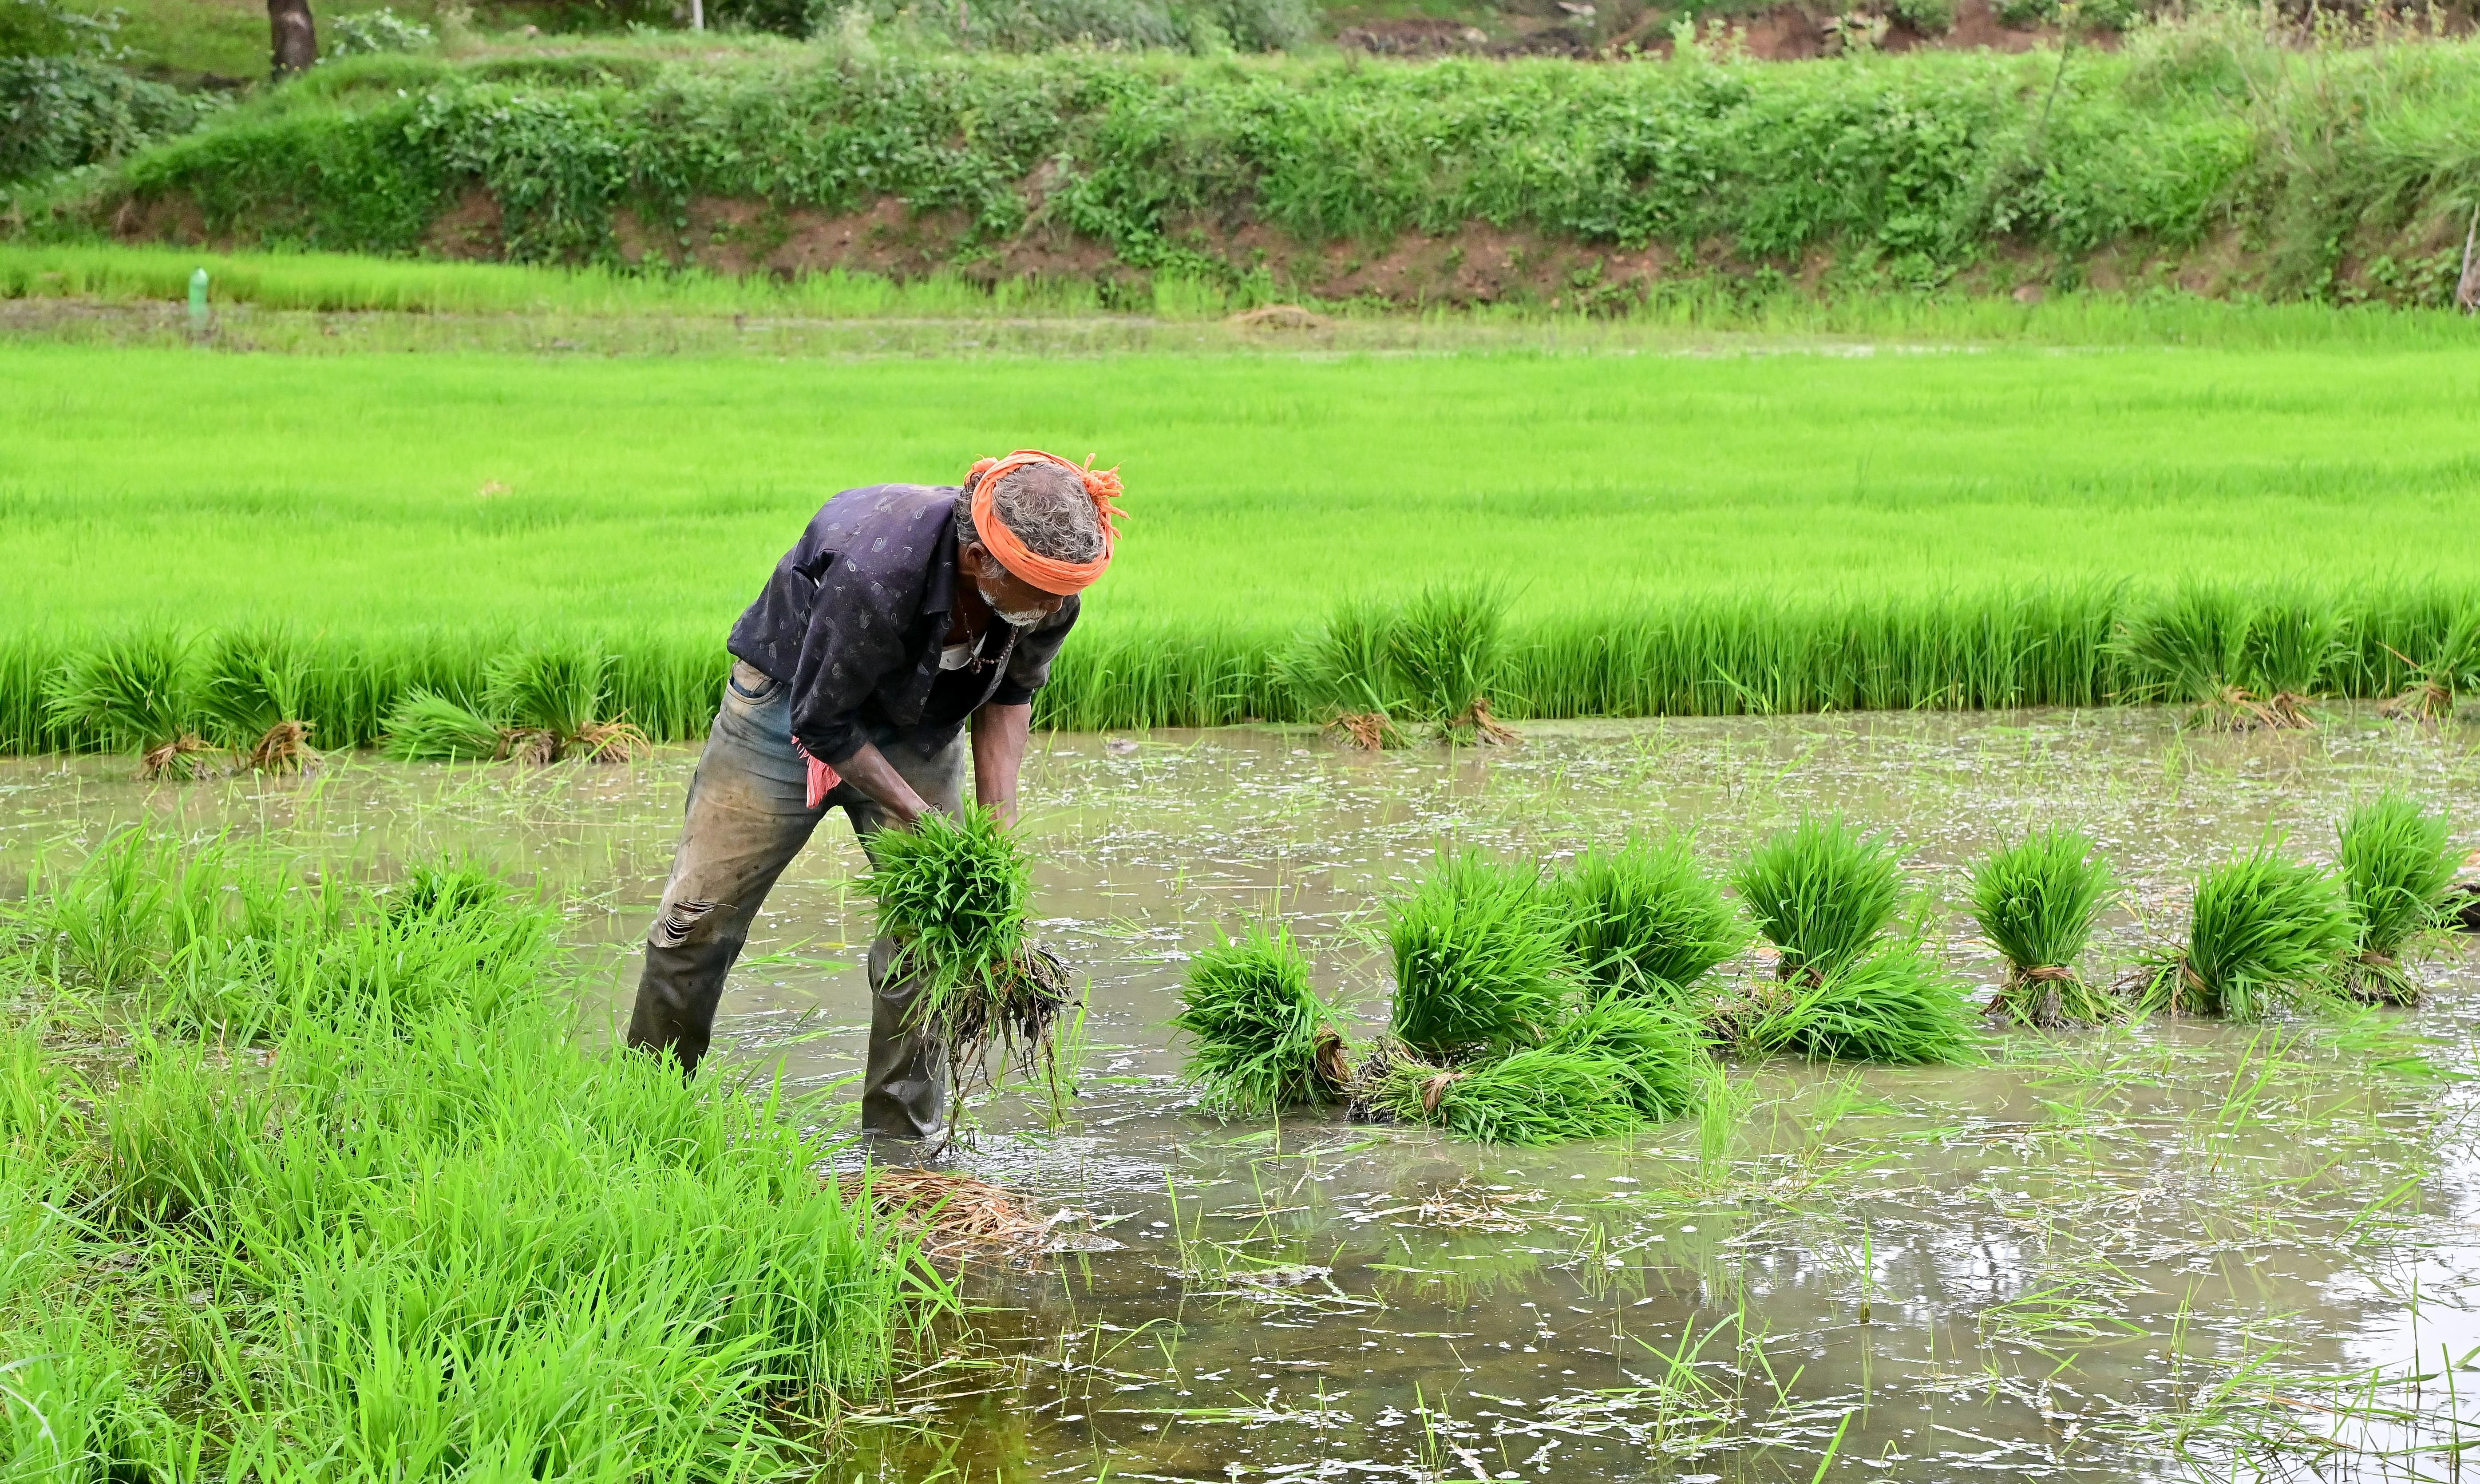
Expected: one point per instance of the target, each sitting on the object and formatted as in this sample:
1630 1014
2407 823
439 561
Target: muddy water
2171 1250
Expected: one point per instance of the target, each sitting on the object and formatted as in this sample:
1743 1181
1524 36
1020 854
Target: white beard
1020 618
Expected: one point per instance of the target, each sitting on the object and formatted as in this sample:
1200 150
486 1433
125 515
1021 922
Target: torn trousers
748 816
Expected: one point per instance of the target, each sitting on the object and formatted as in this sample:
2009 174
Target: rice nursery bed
2158 1248
419 520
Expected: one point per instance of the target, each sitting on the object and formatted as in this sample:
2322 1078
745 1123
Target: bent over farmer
903 613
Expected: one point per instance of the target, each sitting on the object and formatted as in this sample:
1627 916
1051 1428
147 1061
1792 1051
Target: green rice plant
1531 1097
1482 959
104 925
2037 901
1895 1004
133 692
428 727
2292 648
1261 1039
1821 893
2265 934
1343 676
1448 650
445 888
1646 918
2190 650
254 692
2449 672
549 699
2397 865
953 894
1657 1053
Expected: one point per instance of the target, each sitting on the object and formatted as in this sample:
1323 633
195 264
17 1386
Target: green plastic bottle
198 302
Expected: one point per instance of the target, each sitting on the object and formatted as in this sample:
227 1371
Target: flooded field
2173 1250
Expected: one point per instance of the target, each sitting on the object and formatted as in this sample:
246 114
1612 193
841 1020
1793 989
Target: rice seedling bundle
1448 649
1343 676
134 692
538 707
953 894
1896 1004
2037 901
2240 665
1646 918
1531 1097
1260 1038
428 727
2265 935
1483 959
1656 1053
2397 866
1821 893
254 692
2450 672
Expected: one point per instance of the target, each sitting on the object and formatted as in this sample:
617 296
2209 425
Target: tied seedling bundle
2450 672
1646 920
538 707
132 691
2037 902
2265 934
1499 1034
254 696
2397 872
1434 665
2238 665
953 894
1260 1038
1846 989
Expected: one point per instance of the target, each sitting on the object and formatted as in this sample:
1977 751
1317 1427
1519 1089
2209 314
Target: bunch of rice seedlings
2397 872
1821 893
1261 1038
1646 918
2292 648
255 694
1482 959
552 700
132 691
1344 676
953 894
1531 1097
2036 903
2452 672
1896 1005
2265 934
1448 650
1657 1054
2240 665
428 727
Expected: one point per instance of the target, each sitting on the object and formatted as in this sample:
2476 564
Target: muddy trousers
748 817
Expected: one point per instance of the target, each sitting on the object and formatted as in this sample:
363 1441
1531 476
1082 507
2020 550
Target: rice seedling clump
1821 893
1531 1097
953 894
255 694
1483 959
1449 648
1896 1004
1260 1038
1343 676
2265 934
2038 901
1656 1053
134 692
1646 918
2397 866
539 706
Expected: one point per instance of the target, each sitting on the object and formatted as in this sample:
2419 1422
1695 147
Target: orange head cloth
1048 573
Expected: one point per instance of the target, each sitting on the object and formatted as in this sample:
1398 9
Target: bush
61 113
372 32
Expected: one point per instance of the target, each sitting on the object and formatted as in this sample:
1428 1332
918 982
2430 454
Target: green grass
425 1230
2396 863
1260 1038
2037 901
1970 530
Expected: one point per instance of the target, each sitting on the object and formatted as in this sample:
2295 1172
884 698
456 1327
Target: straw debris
954 1217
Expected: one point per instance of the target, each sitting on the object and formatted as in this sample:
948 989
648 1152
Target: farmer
903 613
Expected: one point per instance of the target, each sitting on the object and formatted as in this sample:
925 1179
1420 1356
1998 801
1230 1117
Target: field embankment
1675 534
2200 156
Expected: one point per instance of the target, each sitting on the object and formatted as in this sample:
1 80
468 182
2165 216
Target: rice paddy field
1899 915
2177 1247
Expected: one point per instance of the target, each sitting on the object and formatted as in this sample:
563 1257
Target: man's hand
869 771
1000 734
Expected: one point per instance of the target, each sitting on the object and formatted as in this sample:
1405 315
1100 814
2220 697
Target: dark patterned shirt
855 616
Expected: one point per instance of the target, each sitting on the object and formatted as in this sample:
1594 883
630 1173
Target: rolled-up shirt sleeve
854 639
1029 666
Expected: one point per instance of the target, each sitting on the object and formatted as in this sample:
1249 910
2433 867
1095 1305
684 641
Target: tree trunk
296 42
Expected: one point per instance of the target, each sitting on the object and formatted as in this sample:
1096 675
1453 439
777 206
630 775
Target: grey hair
1046 507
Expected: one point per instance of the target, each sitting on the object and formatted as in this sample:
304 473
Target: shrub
63 112
372 32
